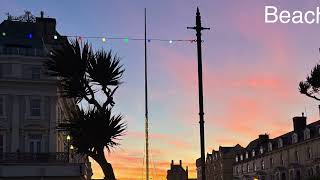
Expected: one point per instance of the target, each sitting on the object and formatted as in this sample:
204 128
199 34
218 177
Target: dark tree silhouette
82 74
311 86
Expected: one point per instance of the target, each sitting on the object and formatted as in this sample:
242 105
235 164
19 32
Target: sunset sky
251 72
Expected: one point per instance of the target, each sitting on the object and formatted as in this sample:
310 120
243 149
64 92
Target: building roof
35 33
264 142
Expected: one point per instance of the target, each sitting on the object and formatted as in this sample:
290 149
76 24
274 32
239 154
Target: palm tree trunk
105 166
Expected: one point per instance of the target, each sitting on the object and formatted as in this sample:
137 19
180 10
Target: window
247 155
294 138
237 158
261 150
270 146
2 105
262 164
241 157
35 73
248 167
306 134
271 162
281 160
253 153
254 166
5 70
309 153
35 143
280 143
310 172
35 107
296 156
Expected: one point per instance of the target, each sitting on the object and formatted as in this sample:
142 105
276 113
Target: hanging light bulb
126 40
55 37
4 34
170 41
104 39
30 36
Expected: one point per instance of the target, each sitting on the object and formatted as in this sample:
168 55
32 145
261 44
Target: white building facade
292 156
30 107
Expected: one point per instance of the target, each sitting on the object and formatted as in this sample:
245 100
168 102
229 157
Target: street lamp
68 144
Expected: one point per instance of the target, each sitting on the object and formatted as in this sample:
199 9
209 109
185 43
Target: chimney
46 26
41 14
263 138
187 172
180 162
299 122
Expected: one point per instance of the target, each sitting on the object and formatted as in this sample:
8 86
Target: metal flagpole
146 95
198 29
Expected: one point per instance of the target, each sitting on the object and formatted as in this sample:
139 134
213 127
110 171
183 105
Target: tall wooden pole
146 94
198 29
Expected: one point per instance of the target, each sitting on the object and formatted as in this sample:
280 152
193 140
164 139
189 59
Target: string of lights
104 39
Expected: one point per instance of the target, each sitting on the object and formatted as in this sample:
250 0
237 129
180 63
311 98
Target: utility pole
146 94
198 29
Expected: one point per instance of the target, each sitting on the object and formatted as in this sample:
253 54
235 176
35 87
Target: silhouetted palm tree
311 87
82 73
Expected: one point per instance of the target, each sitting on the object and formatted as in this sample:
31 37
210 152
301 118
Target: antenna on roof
9 17
305 112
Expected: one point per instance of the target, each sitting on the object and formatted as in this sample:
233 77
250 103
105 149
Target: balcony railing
59 157
23 51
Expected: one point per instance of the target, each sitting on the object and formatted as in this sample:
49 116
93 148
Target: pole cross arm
191 27
201 28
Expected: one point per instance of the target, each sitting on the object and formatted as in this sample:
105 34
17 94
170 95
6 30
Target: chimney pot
171 162
180 162
41 14
299 123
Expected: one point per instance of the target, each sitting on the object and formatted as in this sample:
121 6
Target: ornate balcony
59 157
20 51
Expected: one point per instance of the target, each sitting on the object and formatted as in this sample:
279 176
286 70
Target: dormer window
306 134
247 155
270 146
280 143
294 138
261 150
253 153
241 157
237 158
